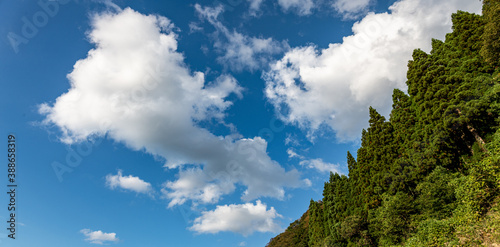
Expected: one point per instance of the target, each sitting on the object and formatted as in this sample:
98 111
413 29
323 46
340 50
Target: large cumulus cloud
333 87
135 88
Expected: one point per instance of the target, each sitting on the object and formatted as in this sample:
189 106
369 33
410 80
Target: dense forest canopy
429 175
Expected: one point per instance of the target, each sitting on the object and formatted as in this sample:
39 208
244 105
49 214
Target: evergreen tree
316 225
491 46
429 175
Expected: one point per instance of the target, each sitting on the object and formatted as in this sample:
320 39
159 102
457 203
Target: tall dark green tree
429 175
491 36
316 224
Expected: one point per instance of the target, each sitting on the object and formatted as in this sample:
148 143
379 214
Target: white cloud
239 218
321 166
293 154
99 237
317 164
351 8
307 182
128 183
255 6
291 140
195 184
302 7
193 27
240 52
335 86
135 88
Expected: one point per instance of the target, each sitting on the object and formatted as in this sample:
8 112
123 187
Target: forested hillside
429 175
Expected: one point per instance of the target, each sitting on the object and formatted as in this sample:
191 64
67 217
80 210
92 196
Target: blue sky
192 123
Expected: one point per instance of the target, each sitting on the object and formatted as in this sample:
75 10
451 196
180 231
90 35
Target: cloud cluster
240 218
239 51
99 237
128 183
334 87
135 88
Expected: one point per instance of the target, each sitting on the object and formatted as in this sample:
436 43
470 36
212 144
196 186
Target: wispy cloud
239 51
317 163
321 166
301 7
255 6
292 154
351 9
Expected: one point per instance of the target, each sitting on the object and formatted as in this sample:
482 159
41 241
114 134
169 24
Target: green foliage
436 194
316 224
295 235
430 175
489 166
432 232
491 46
351 226
390 222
